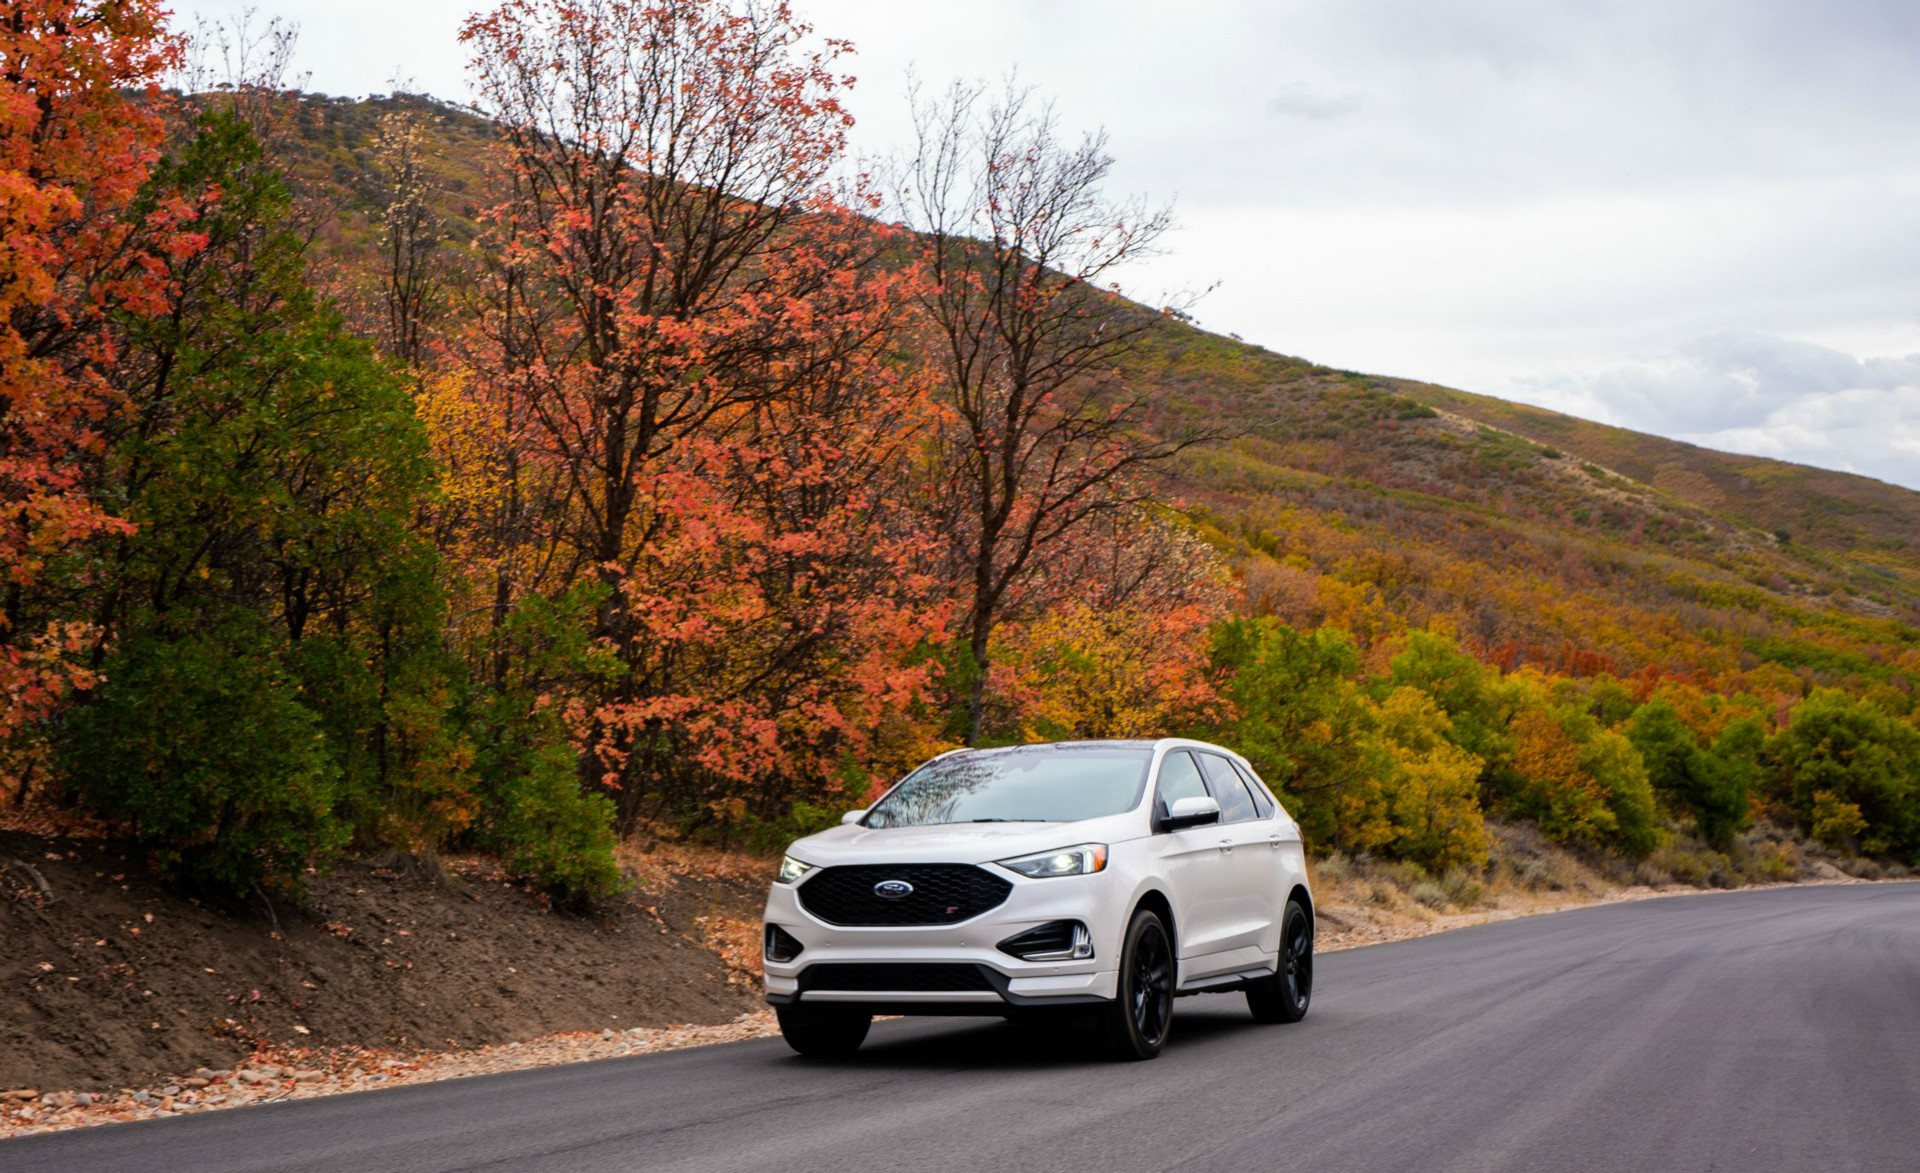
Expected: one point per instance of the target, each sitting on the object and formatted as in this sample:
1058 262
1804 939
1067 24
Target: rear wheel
1135 1025
822 1032
1284 996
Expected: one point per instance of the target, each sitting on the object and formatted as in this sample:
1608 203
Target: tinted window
1179 778
1262 801
1235 805
1021 784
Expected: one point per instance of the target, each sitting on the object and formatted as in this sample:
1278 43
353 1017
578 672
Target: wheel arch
1156 900
1305 898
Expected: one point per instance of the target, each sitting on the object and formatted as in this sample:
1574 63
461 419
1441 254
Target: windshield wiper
1006 820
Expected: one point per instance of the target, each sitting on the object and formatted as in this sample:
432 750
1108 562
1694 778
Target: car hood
944 843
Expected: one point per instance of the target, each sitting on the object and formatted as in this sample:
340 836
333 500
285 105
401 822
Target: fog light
781 945
1060 940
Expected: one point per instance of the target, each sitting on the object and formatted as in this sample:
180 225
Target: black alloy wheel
1284 996
1135 1025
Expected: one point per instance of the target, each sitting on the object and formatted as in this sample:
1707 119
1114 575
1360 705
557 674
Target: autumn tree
1297 713
1117 643
1039 433
1419 799
688 335
76 144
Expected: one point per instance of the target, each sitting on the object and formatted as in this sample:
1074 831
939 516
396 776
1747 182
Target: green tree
200 741
1299 717
1478 704
1709 785
271 464
1839 752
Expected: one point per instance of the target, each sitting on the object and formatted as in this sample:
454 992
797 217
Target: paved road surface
1770 1030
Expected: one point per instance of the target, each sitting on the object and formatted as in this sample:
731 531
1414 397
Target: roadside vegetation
605 464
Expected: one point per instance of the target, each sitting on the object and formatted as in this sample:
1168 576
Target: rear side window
1262 801
1236 806
1179 778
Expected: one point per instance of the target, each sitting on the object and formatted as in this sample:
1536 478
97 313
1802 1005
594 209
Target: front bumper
1012 984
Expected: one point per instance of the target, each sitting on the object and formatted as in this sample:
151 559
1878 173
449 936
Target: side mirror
853 816
1195 811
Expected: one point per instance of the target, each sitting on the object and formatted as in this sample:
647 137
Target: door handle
1226 846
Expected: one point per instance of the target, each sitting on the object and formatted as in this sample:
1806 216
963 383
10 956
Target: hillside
1381 503
1378 503
1868 523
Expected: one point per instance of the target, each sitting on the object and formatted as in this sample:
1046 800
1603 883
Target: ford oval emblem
893 889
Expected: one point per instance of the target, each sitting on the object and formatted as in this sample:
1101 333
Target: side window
1262 801
1179 778
1235 805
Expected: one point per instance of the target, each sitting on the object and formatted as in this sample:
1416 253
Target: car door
1251 933
1199 874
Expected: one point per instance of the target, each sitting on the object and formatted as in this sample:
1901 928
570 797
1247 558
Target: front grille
943 894
893 978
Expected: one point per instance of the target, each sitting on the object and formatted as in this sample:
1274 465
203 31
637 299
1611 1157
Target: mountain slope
1869 522
1380 503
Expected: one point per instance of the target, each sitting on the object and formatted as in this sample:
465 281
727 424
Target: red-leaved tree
682 386
74 151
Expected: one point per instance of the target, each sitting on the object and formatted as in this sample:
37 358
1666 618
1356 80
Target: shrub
1775 863
1836 823
1850 770
202 744
1334 870
1681 866
1461 887
547 830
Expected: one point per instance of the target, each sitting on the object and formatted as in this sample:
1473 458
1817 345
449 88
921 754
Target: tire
820 1032
1135 1025
1284 997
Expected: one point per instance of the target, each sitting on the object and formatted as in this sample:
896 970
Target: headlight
791 870
1068 861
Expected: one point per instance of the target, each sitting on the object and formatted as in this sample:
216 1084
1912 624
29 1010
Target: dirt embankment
107 977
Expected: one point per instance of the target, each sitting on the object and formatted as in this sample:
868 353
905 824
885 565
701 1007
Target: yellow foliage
1080 672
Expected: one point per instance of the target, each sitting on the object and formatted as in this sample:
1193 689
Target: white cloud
1765 395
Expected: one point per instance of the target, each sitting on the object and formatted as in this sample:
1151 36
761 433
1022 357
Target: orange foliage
74 150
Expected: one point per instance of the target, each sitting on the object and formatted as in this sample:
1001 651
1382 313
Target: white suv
1096 877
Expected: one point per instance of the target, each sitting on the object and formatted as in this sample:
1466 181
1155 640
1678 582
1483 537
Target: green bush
1849 772
202 744
1710 784
547 830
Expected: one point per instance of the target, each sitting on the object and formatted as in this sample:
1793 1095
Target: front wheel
821 1032
1284 996
1135 1025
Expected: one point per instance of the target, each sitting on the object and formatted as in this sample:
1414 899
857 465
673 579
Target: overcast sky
1699 218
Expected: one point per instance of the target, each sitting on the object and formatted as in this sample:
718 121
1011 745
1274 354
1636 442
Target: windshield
1024 784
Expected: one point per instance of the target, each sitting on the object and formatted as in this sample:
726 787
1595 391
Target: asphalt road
1770 1030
